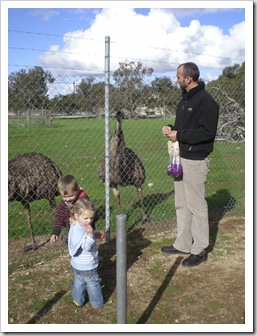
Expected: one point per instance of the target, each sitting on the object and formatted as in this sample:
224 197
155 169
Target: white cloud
238 32
157 39
44 14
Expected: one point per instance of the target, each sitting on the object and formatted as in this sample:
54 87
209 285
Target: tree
85 85
67 104
130 81
230 71
96 98
162 84
28 90
131 75
164 93
232 81
229 91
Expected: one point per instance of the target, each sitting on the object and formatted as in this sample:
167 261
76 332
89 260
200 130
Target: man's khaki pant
191 207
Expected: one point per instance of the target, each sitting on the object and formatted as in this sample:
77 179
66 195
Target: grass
77 146
159 289
214 306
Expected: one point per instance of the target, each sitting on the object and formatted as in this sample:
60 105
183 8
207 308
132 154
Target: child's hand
100 234
53 239
89 230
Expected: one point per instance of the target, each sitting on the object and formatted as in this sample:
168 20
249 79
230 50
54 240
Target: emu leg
28 215
141 198
117 196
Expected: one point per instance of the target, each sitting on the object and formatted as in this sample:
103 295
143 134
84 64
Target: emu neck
117 143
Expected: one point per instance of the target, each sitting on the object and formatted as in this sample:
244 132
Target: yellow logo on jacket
190 109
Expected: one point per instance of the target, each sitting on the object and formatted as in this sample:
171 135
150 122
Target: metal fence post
121 268
107 136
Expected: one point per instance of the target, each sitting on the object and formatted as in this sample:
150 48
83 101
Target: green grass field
77 147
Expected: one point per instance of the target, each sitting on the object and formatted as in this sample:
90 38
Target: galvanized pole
121 268
107 140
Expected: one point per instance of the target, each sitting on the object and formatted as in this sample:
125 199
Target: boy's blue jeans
90 281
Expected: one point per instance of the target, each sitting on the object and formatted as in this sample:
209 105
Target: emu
32 176
125 166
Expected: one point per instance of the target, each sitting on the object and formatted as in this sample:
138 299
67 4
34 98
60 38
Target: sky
72 40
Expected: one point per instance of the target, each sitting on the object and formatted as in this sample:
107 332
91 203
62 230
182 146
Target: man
195 129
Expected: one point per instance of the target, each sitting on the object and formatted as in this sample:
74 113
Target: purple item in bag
175 167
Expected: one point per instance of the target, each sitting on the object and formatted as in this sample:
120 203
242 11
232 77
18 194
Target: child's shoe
76 303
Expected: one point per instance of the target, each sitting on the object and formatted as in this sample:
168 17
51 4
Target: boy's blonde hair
84 204
67 185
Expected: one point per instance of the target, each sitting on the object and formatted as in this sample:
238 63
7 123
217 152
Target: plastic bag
174 167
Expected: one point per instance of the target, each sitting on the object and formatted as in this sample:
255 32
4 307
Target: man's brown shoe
195 259
172 250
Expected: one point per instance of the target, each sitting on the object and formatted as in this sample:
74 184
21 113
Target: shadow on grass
219 204
136 243
150 202
147 313
47 307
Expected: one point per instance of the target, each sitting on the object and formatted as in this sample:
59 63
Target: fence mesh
62 117
57 119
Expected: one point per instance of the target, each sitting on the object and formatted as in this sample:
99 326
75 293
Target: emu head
119 116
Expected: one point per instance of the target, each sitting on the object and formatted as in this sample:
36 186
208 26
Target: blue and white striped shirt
82 249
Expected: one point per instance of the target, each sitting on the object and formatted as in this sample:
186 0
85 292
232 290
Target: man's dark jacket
196 123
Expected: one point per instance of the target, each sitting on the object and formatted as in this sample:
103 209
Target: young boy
84 255
70 192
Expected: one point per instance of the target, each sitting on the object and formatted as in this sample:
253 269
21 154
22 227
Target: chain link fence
57 126
63 117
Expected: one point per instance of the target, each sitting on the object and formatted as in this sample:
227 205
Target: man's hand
172 136
166 130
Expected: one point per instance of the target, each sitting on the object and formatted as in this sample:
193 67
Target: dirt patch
159 289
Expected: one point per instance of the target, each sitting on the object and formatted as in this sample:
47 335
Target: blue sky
160 37
63 19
